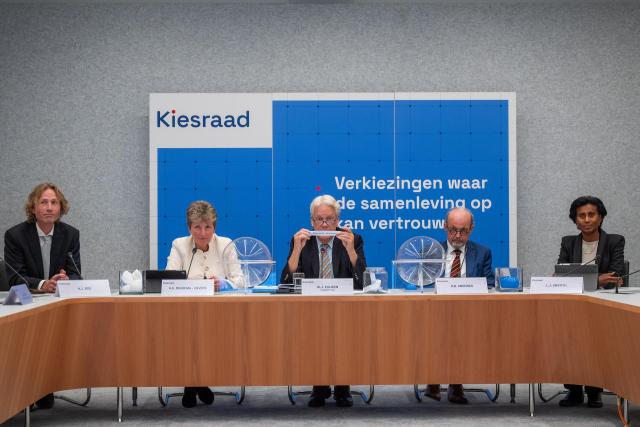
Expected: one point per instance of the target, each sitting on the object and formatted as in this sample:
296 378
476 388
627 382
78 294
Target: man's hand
347 238
300 239
51 285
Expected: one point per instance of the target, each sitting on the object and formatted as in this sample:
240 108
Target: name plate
461 285
18 295
187 288
327 286
556 285
83 288
323 233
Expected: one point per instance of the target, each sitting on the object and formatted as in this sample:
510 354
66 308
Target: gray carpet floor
270 406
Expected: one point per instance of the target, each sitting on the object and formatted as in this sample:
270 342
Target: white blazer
206 264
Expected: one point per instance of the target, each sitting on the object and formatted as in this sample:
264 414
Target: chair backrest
625 281
4 277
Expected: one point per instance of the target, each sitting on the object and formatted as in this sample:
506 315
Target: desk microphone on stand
193 253
15 271
70 255
624 277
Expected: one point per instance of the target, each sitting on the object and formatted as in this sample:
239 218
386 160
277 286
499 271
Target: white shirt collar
211 243
42 233
450 248
330 243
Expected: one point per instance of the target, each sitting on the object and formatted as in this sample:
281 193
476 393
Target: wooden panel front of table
276 340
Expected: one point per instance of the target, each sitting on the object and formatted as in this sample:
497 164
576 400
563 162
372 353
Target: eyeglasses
461 231
328 221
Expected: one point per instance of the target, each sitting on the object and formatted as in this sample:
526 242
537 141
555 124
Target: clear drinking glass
130 282
376 280
509 279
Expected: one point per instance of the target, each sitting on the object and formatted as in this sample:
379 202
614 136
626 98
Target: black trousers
577 388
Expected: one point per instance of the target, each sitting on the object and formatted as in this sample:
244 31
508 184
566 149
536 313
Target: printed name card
187 288
327 286
83 288
323 233
18 295
556 285
461 285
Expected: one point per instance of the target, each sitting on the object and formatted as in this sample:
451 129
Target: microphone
193 253
15 271
624 277
70 255
596 260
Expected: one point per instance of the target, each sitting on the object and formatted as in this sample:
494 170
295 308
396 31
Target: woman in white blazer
201 255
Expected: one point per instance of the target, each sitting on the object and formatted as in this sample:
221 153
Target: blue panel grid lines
237 182
402 165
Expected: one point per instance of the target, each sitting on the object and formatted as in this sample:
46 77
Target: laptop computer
588 272
152 279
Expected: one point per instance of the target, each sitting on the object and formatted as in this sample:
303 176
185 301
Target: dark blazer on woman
22 251
610 253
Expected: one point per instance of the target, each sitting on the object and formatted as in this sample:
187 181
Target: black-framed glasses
460 231
327 221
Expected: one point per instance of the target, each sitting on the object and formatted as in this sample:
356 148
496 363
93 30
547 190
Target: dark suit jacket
309 262
610 252
22 252
477 261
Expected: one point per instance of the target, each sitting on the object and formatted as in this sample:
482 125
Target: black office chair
4 278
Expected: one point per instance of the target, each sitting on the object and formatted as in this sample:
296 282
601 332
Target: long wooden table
296 340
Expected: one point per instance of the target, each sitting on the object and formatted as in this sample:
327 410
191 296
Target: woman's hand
609 279
218 284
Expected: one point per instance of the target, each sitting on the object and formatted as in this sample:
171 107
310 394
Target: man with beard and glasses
465 258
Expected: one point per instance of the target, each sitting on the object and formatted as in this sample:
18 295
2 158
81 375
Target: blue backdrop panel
318 142
315 141
237 181
456 140
321 146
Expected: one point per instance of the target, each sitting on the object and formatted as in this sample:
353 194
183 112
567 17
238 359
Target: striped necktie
455 266
326 270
